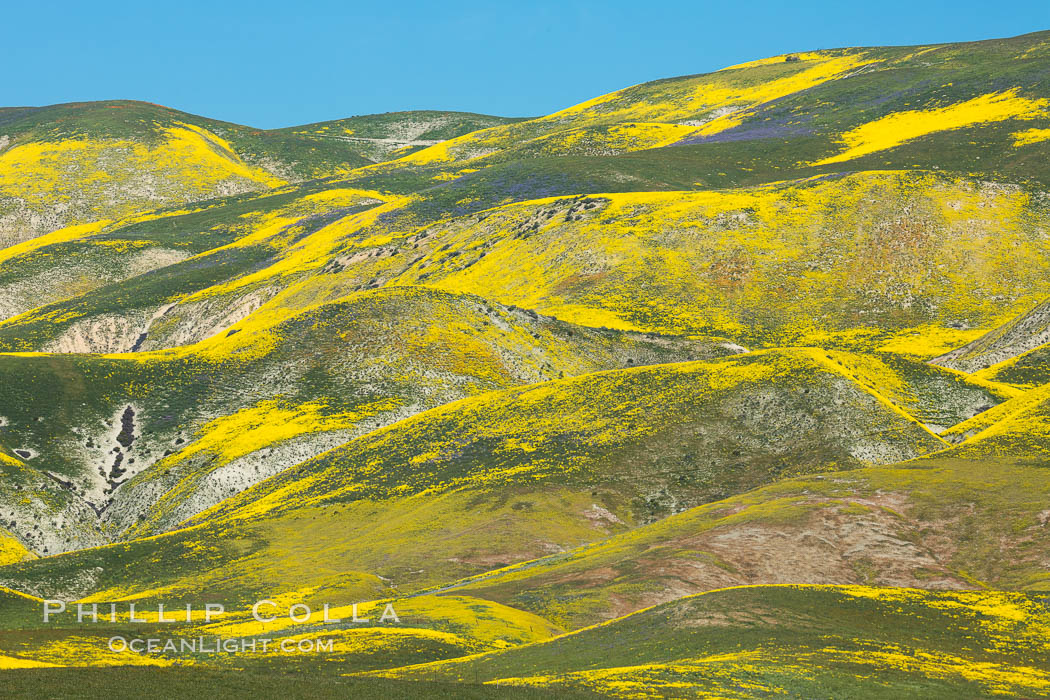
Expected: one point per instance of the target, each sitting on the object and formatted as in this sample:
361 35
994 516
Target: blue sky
273 64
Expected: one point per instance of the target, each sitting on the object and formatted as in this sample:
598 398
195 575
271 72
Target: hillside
82 162
845 242
847 259
896 107
121 272
732 384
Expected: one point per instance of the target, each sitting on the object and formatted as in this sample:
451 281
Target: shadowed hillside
891 526
510 476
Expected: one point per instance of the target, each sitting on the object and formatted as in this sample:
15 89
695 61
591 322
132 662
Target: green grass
131 683
805 641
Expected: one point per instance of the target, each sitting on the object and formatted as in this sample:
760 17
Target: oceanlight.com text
218 645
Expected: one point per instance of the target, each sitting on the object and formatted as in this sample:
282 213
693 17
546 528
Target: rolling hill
902 107
111 437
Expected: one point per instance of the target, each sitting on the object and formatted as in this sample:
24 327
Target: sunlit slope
920 261
207 421
849 254
800 641
728 418
254 248
75 261
784 323
406 350
965 107
915 263
944 106
652 114
81 162
510 476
